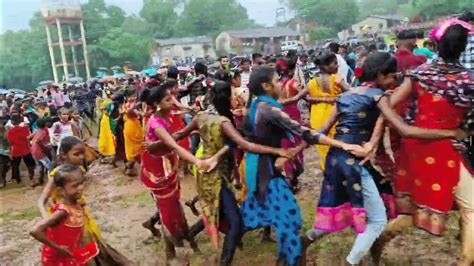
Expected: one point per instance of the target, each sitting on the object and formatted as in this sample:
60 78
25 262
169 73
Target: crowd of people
390 129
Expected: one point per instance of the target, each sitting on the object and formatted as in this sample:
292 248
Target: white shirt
343 68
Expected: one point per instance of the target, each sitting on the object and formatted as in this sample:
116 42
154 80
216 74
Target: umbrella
3 91
103 68
107 78
133 73
115 68
75 80
45 83
150 71
184 69
120 76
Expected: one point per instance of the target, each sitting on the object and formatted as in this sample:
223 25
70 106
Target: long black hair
324 59
378 63
220 98
259 75
453 43
154 94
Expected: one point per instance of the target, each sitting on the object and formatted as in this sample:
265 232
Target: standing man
257 59
343 68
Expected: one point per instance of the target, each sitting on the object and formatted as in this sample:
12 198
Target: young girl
351 193
106 136
323 92
63 128
72 152
78 121
269 200
41 148
61 233
219 206
159 170
132 131
291 94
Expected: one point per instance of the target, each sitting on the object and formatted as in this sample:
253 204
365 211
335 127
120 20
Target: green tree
322 33
379 7
336 14
118 46
100 18
161 16
24 58
209 17
434 8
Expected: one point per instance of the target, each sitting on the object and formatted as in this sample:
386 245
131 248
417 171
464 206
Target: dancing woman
428 181
215 189
323 92
351 193
270 201
159 169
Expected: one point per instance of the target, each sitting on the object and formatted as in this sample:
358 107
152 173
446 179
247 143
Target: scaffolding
65 31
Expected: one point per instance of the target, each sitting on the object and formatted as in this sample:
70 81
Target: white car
289 45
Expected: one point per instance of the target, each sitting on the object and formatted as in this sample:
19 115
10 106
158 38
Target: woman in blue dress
270 201
353 193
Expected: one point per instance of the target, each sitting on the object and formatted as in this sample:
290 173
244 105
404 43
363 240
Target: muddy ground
120 204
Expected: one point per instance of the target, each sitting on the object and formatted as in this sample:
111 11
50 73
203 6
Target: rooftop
184 40
263 32
389 17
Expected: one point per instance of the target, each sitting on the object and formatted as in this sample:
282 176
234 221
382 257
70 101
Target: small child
79 123
20 148
41 148
63 128
61 233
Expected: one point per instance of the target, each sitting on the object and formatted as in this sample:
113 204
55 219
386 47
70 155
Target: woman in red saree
160 165
427 178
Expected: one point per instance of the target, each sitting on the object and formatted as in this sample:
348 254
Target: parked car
289 45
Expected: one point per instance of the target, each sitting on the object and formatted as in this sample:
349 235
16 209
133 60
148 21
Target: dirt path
120 205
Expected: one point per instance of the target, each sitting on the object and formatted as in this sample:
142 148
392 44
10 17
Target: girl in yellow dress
323 92
72 152
106 135
132 132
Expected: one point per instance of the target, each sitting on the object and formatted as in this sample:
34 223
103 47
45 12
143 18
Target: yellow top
320 112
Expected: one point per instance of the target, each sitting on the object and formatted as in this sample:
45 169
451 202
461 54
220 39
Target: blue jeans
195 139
376 220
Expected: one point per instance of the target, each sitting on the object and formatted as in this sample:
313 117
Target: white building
187 47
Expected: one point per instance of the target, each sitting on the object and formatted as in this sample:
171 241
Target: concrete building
265 40
376 24
182 48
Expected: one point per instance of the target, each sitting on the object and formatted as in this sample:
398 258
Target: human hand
371 152
205 166
64 251
287 153
280 163
150 146
460 134
355 150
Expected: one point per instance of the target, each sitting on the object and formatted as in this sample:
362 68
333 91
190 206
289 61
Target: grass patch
25 214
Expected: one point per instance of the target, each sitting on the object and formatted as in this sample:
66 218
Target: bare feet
192 205
148 225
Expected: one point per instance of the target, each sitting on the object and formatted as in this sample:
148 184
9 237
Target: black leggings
30 163
229 212
4 167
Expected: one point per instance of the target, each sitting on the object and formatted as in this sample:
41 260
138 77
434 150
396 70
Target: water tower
65 29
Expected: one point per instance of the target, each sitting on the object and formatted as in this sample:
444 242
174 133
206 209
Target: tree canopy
114 37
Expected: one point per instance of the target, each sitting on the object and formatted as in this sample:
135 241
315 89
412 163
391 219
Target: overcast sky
17 13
